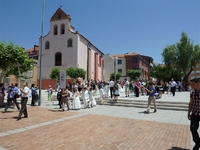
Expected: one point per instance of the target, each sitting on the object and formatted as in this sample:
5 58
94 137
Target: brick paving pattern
90 132
36 115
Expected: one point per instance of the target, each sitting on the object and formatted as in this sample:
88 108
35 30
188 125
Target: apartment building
125 62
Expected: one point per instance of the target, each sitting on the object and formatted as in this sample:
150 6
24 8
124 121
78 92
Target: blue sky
113 26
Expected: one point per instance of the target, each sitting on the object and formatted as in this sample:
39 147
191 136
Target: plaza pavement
98 128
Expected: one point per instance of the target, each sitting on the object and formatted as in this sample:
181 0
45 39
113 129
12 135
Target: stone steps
180 106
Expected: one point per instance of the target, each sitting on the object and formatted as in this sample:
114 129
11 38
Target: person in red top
194 112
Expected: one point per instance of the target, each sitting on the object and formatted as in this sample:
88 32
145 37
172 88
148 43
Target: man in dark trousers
194 112
24 96
12 92
111 85
173 86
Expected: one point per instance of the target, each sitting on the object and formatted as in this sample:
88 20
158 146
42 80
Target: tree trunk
2 76
19 78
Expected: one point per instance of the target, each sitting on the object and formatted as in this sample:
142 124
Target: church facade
64 47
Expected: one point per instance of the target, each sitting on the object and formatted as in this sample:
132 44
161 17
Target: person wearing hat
194 112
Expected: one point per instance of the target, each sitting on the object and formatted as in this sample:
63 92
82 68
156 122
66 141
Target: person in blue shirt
34 94
12 92
151 97
2 94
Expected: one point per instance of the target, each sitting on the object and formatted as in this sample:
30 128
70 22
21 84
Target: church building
64 47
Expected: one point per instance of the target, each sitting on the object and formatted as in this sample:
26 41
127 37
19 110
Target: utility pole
40 53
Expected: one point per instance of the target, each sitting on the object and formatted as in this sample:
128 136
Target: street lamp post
40 53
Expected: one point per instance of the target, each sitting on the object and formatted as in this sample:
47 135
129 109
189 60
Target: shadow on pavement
178 148
58 110
143 112
8 111
15 117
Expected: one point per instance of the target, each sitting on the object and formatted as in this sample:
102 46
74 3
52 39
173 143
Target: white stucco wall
58 43
109 66
82 53
75 56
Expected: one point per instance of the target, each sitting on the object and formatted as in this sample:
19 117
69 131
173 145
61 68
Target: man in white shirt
126 88
111 85
173 86
24 95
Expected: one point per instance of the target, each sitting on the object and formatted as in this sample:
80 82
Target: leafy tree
15 60
164 73
134 74
75 72
182 55
55 73
118 75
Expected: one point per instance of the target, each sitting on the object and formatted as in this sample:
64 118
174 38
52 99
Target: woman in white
76 100
107 90
91 98
85 97
101 94
96 90
121 90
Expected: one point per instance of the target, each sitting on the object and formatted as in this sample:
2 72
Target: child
101 94
59 97
85 97
92 101
76 100
50 92
107 90
116 91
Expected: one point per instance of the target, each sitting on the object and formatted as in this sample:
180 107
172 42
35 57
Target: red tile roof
123 55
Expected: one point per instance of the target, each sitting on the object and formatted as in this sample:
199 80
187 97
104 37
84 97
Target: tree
55 74
118 75
164 73
182 55
133 74
15 61
75 73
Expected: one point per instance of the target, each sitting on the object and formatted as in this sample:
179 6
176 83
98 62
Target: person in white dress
107 90
101 94
91 98
76 100
126 88
121 90
96 90
85 97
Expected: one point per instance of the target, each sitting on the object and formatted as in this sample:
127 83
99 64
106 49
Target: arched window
58 59
62 29
47 45
69 43
55 30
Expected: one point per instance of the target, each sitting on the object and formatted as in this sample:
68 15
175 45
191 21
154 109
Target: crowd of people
13 93
84 92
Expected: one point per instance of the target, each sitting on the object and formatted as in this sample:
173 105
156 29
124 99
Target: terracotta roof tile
123 55
32 49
